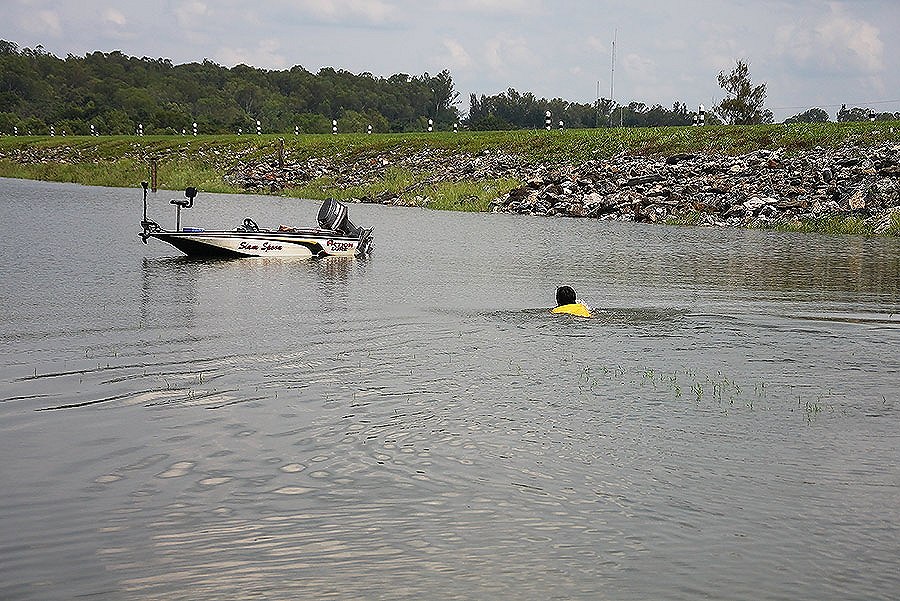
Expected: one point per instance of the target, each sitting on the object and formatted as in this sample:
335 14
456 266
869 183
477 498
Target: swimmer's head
565 295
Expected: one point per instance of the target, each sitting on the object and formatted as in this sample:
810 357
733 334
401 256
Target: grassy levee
205 161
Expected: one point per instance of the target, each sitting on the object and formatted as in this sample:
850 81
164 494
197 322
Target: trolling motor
190 192
146 224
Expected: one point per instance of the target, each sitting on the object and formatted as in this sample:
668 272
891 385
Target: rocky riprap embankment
760 188
373 167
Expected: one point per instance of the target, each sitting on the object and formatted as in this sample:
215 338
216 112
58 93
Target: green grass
883 225
468 195
687 218
534 146
413 188
395 180
887 225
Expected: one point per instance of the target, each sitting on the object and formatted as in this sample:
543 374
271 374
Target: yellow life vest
573 309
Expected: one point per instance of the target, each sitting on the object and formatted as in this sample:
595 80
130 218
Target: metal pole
144 186
612 75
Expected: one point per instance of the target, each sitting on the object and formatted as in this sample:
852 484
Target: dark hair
565 295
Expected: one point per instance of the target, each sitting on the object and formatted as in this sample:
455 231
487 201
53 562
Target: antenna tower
612 73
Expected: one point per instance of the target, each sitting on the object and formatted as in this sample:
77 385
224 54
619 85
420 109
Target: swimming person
566 303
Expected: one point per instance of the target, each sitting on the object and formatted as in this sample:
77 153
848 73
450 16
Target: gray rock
764 186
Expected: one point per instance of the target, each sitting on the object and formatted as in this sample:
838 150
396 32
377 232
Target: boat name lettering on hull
339 246
265 246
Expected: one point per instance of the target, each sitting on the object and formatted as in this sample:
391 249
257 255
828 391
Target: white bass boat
336 236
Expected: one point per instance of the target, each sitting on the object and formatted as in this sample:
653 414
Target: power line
782 108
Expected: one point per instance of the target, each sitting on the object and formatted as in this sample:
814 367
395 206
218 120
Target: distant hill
117 94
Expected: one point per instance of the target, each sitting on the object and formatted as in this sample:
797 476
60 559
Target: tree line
117 93
844 115
111 93
512 110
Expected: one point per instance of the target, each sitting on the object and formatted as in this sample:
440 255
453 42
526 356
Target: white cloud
457 57
716 46
41 22
190 14
505 53
836 44
266 52
113 16
503 7
640 80
595 44
374 12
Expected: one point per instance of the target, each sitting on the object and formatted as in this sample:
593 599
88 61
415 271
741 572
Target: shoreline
830 178
839 190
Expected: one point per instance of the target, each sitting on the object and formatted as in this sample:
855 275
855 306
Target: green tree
855 114
312 123
743 103
445 98
7 122
813 115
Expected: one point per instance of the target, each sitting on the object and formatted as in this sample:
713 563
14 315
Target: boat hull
224 244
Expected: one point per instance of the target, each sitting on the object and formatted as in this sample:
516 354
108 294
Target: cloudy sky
809 52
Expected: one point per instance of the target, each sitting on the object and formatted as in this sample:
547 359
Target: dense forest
111 93
117 94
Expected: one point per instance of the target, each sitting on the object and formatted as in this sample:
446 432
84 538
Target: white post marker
369 129
455 127
702 116
52 131
258 127
296 130
334 126
560 125
141 129
15 130
195 128
547 120
430 125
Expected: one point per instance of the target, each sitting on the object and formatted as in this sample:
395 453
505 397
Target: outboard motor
333 216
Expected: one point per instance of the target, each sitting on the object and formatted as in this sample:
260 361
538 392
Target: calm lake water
416 425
